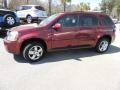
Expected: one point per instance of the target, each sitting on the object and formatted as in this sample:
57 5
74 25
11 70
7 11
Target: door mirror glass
57 26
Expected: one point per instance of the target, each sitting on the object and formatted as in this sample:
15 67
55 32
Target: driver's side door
64 37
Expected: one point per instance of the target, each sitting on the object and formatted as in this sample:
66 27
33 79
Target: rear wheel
33 52
102 45
29 19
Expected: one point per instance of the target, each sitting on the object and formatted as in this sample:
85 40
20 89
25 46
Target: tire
33 52
102 45
9 20
29 19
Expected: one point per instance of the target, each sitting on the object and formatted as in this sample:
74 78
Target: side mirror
57 26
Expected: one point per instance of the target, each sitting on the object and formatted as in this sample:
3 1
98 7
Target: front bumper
12 46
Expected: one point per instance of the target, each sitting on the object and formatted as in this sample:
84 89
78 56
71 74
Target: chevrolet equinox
66 30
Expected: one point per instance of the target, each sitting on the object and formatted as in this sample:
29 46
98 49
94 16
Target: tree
14 3
83 7
112 7
50 2
118 12
5 3
107 5
64 2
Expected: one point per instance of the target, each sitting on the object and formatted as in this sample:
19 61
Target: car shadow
3 33
69 55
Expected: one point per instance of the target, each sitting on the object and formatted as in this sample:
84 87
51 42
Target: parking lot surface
81 69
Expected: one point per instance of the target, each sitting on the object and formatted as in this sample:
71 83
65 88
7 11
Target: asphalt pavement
81 69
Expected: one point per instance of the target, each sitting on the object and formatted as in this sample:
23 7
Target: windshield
49 19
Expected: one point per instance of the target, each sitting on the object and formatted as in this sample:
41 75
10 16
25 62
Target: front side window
88 20
49 19
69 21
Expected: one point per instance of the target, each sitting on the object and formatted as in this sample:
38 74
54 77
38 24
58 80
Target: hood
24 27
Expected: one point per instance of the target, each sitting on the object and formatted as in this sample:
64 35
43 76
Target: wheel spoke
103 46
33 57
31 52
40 50
35 48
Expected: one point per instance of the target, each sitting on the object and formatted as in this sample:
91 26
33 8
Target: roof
29 5
5 10
87 12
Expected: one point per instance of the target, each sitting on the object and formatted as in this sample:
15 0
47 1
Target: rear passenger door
86 33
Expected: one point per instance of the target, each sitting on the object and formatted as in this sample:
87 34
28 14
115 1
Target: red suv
61 31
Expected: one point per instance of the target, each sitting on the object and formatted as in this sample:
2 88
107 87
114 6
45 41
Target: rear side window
23 8
69 20
26 7
106 21
88 20
40 8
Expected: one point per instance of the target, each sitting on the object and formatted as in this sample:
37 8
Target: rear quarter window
26 7
40 8
106 21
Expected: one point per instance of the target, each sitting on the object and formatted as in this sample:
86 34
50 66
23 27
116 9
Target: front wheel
33 52
9 20
102 45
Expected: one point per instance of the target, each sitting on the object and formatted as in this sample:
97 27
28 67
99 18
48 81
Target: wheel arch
106 36
24 43
4 17
28 15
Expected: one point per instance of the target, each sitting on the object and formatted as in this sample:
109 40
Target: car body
31 12
8 18
115 20
66 30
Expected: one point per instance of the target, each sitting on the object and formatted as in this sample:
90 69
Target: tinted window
106 21
88 20
2 13
23 8
40 8
26 7
69 21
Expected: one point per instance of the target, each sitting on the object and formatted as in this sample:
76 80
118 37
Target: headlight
12 36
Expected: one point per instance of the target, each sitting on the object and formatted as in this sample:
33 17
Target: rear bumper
12 46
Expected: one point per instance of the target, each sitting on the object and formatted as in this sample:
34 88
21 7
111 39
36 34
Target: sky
93 3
